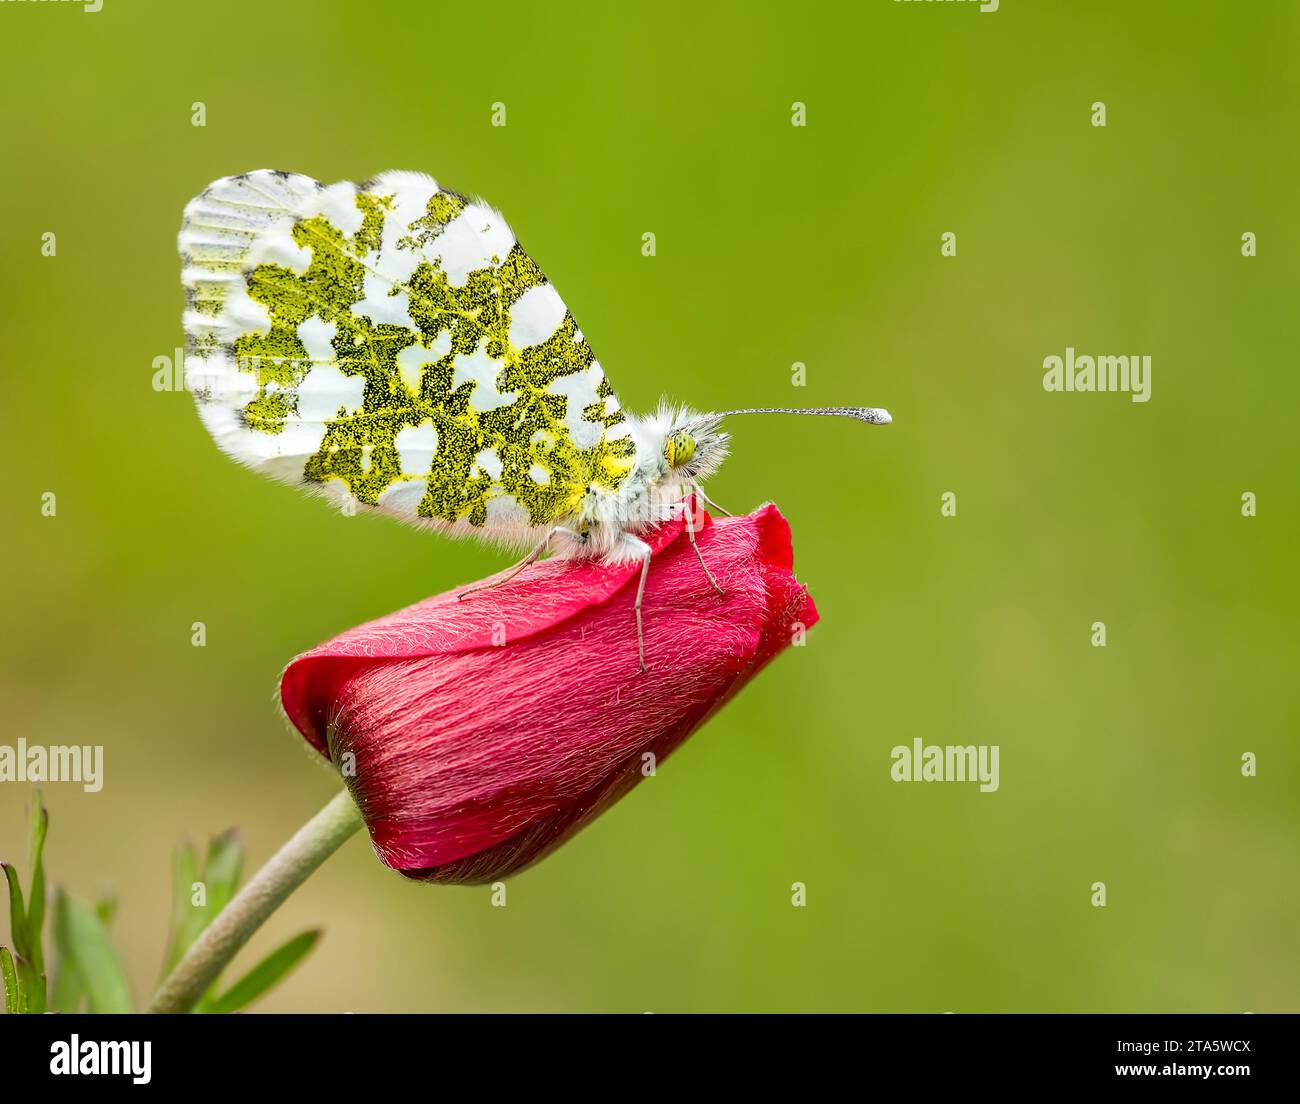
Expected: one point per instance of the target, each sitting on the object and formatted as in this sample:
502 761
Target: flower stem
266 891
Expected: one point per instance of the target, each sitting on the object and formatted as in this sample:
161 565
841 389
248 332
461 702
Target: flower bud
478 735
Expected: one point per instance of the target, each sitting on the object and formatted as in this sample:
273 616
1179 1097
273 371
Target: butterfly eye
679 449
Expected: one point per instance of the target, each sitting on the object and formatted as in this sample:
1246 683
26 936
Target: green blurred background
776 244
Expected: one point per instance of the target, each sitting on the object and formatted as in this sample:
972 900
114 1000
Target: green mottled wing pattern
392 344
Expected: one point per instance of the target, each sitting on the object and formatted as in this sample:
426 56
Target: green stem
286 870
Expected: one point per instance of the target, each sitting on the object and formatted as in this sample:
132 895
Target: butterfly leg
642 551
532 557
709 502
690 532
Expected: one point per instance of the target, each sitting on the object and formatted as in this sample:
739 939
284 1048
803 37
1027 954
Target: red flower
484 733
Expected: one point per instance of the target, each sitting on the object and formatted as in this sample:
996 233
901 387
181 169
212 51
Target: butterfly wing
391 343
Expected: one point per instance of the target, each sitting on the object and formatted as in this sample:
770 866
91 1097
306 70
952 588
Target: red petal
542 596
474 760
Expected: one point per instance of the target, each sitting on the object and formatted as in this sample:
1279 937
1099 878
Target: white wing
392 343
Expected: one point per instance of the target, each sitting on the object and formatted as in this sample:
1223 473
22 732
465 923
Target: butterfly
391 345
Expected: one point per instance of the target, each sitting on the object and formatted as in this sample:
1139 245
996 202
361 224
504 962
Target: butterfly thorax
676 449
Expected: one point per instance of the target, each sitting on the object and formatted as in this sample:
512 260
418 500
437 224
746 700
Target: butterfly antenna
872 415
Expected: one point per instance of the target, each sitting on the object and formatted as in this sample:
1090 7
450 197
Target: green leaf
31 985
222 867
68 990
79 930
17 913
187 921
221 871
13 1002
40 823
265 974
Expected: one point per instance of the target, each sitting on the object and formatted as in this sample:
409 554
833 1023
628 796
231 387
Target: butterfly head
695 445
